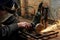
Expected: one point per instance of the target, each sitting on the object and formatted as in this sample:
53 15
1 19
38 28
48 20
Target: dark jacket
8 29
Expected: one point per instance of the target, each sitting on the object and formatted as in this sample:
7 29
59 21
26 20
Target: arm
7 30
10 25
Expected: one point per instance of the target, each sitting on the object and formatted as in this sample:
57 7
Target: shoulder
9 20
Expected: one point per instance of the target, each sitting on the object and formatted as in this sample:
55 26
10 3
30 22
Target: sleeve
7 30
10 20
10 26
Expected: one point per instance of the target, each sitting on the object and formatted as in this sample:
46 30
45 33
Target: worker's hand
24 25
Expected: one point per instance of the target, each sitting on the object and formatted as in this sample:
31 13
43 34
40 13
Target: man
8 23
